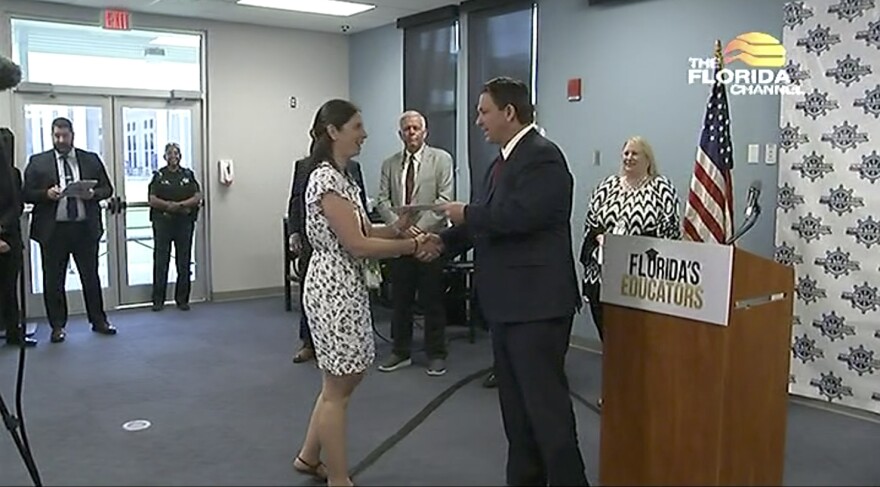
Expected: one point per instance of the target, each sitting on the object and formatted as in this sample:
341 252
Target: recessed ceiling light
325 7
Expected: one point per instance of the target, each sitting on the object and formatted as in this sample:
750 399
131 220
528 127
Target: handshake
429 246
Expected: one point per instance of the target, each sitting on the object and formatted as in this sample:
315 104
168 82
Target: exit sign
117 19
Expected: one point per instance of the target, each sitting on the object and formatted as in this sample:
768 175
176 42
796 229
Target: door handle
115 205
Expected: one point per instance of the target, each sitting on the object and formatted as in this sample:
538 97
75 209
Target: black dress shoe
490 382
104 328
58 335
158 307
183 307
18 342
304 355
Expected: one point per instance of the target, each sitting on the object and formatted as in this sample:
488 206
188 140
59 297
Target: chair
459 296
289 258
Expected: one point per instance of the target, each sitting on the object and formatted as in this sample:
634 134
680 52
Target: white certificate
79 189
414 208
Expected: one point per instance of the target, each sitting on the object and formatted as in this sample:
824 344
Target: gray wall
376 86
633 59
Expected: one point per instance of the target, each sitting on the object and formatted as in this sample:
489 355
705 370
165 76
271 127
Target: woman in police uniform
175 197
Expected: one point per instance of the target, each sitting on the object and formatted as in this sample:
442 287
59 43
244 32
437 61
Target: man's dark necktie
410 179
496 168
72 210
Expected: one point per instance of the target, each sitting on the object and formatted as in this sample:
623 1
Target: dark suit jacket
296 205
41 174
521 235
11 205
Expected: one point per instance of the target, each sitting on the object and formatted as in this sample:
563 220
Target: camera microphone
10 74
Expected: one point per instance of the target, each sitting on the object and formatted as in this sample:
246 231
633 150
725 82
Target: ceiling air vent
154 51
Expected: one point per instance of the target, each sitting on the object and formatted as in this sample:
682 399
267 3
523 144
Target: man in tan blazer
417 175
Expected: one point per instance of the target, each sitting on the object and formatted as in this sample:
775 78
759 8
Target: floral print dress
336 298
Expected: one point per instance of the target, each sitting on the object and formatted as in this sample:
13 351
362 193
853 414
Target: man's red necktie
410 180
496 168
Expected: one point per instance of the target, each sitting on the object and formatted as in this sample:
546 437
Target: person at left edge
68 225
11 209
299 243
175 196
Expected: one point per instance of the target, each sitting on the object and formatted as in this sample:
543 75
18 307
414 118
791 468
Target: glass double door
130 136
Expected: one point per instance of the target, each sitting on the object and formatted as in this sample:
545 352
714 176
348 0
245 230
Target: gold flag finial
719 56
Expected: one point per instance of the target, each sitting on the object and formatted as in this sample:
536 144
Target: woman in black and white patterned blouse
636 201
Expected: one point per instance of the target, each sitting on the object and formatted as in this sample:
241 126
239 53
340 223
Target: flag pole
719 63
705 218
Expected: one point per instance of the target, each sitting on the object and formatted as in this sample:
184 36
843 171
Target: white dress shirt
417 159
511 144
61 213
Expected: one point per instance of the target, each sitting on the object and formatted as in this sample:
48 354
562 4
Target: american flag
708 216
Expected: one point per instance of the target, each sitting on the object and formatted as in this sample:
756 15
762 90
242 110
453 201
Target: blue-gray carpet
228 407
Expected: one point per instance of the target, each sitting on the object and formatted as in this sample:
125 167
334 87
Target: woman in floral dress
336 298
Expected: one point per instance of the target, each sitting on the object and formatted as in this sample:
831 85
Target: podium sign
673 277
679 407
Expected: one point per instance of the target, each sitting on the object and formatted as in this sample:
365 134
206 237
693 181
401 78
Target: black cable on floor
590 405
379 334
410 425
415 421
424 413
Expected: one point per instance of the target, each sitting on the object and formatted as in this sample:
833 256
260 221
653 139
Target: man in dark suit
524 273
298 243
11 208
68 225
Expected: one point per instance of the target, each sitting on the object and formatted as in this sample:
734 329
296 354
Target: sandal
304 355
318 470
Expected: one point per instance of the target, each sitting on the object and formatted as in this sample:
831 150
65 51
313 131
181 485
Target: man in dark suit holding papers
524 273
68 223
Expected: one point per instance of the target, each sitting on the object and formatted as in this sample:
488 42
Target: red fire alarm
574 89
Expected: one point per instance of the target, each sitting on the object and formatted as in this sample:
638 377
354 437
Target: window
87 124
130 155
430 72
89 56
501 42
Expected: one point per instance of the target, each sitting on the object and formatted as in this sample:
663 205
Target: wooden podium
694 403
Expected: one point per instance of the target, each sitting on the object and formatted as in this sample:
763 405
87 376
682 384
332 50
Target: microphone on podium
753 210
